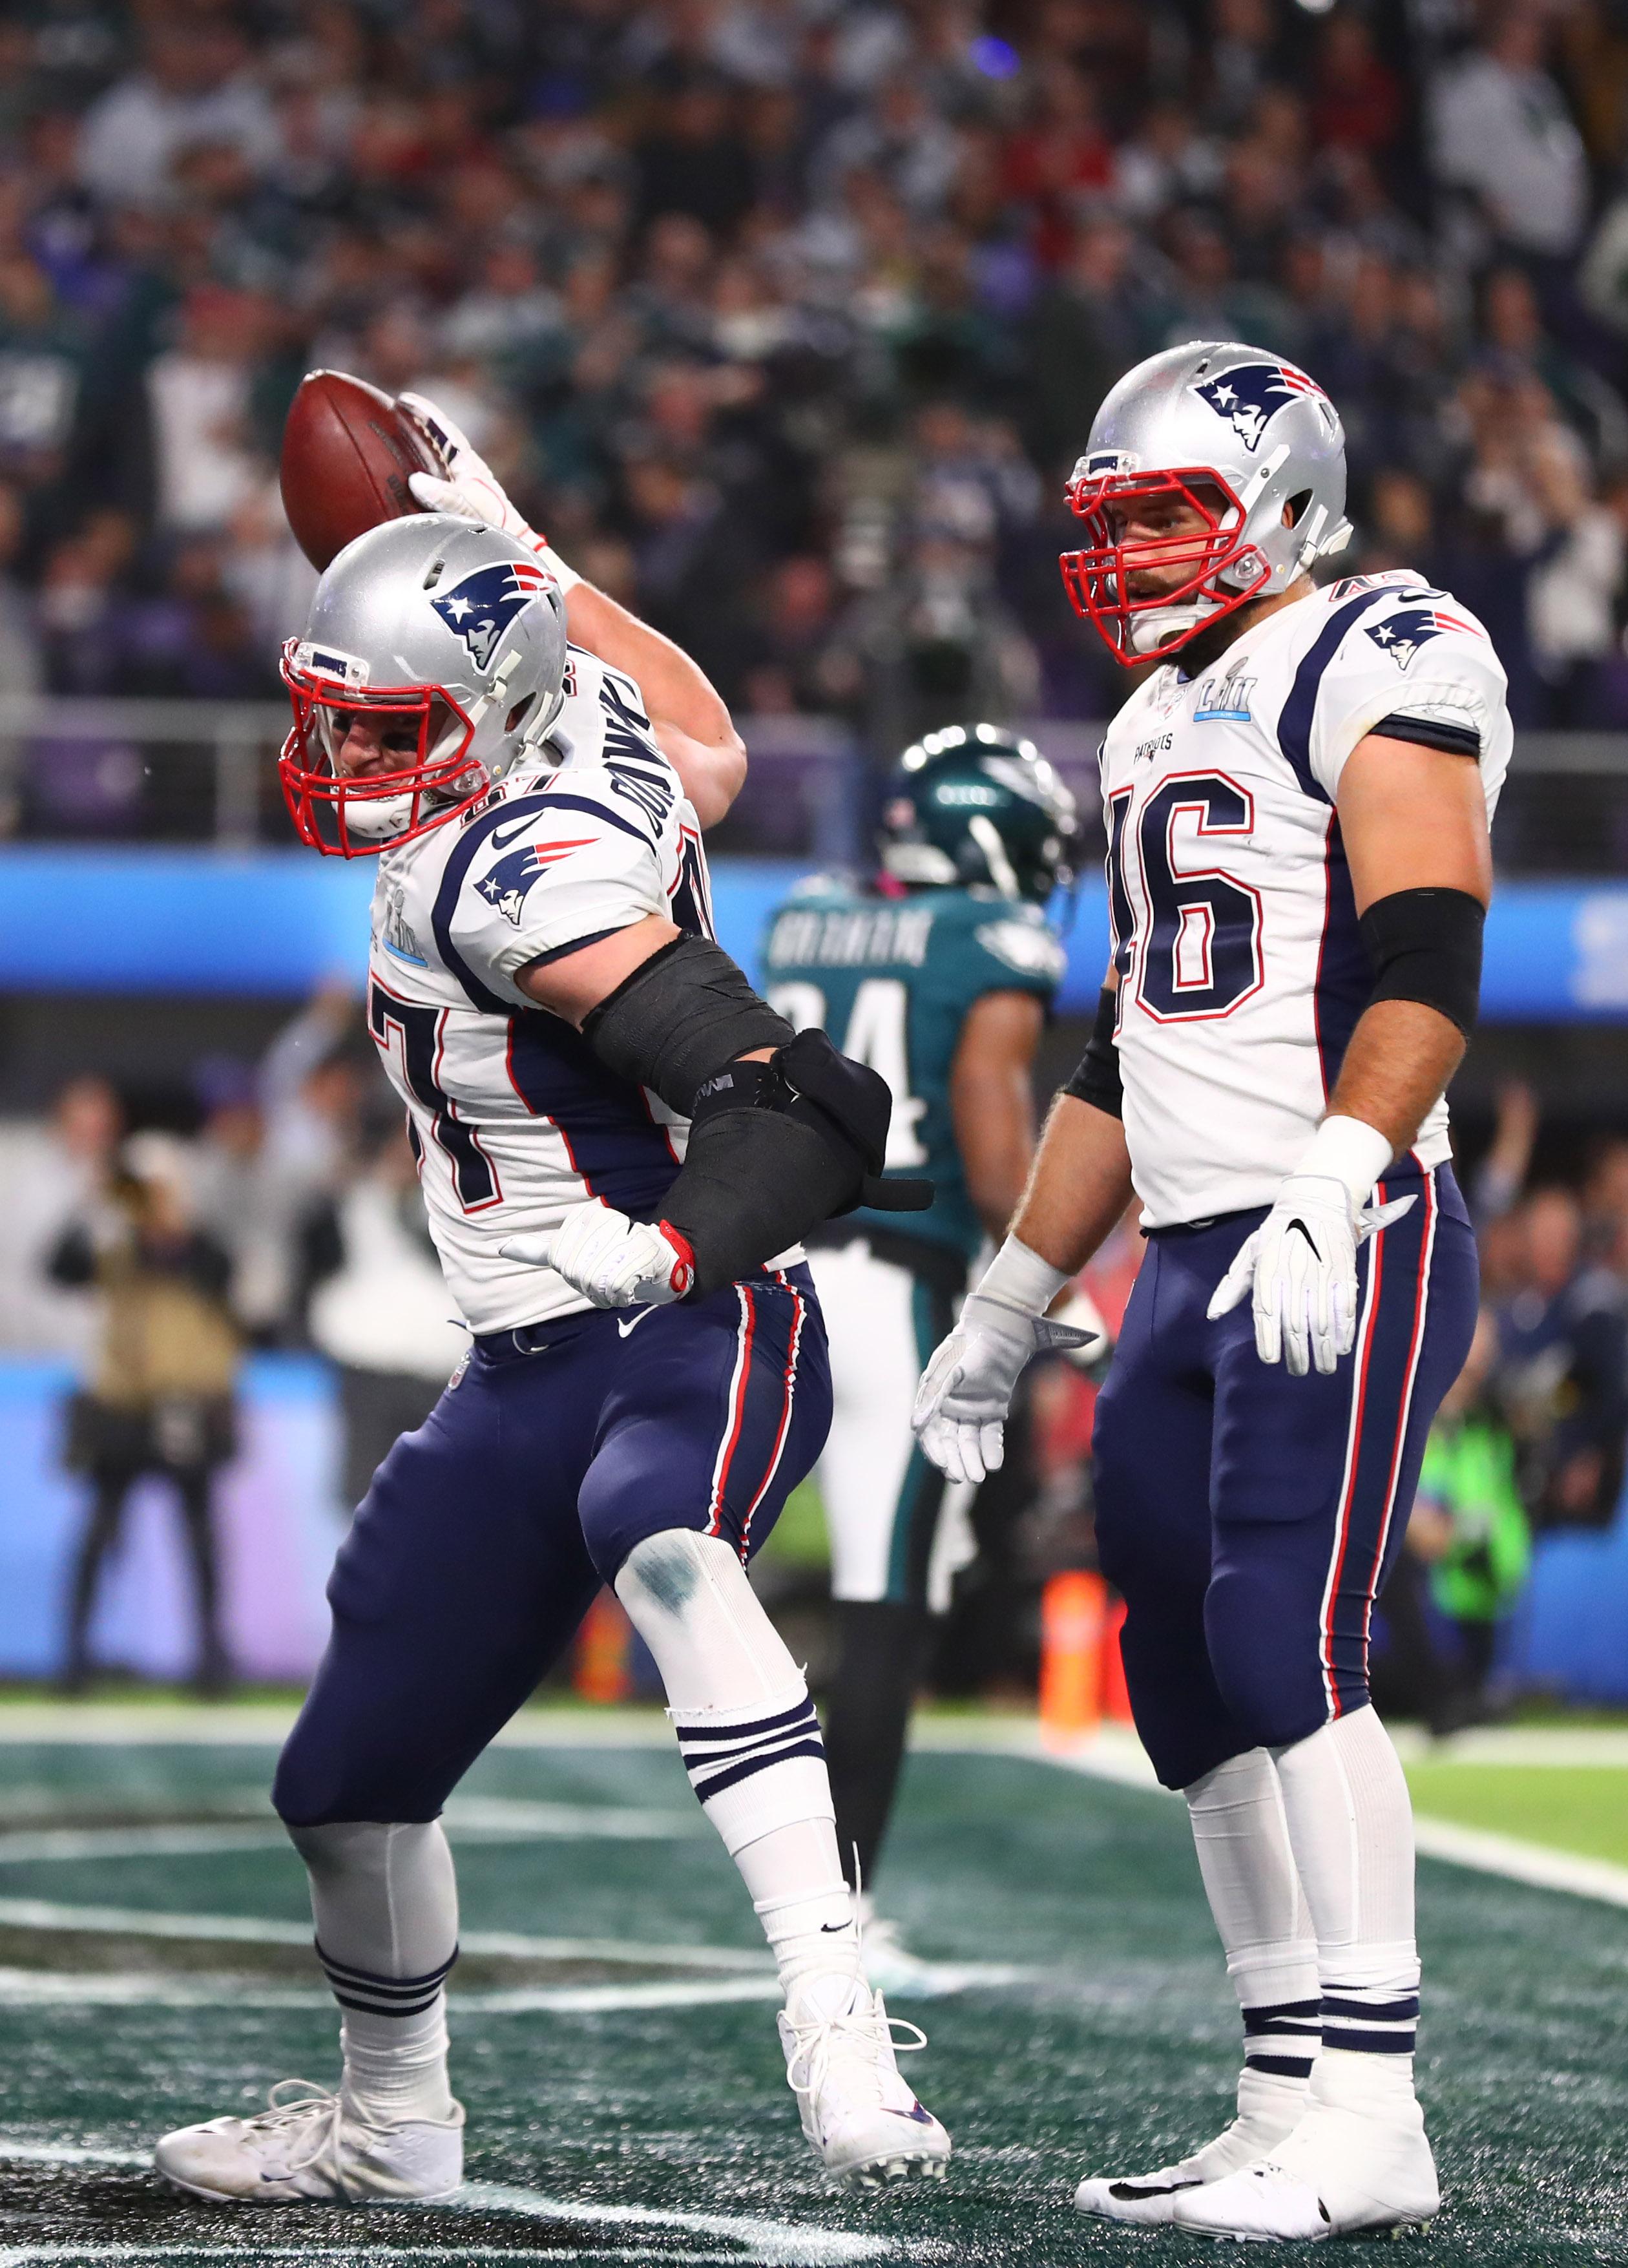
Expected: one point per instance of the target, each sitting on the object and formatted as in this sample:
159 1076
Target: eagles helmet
451 636
975 805
1251 444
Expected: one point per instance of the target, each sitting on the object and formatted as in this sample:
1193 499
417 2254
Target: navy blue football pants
1249 1519
486 1534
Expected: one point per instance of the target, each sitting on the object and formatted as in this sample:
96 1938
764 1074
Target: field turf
624 2090
1580 1807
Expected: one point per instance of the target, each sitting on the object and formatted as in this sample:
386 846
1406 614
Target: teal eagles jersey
891 980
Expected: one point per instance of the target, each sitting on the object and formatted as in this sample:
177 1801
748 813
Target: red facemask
1095 577
356 818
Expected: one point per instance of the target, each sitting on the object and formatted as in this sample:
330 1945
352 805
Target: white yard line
243 1929
1519 1861
363 2255
474 1819
774 2243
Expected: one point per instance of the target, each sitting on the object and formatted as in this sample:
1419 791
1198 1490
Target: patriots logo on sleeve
1401 635
1250 397
481 608
507 885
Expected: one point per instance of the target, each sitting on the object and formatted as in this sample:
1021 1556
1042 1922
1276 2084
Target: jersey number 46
1187 941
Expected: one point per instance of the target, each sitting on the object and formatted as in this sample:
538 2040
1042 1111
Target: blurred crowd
786 318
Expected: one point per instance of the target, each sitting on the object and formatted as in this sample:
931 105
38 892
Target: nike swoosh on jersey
624 1330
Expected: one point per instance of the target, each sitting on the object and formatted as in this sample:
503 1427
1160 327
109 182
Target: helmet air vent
433 573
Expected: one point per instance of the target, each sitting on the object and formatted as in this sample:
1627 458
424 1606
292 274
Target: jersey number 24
1191 948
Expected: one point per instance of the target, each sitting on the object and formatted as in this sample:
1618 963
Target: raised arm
690 721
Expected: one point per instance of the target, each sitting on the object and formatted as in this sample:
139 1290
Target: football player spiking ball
621 1147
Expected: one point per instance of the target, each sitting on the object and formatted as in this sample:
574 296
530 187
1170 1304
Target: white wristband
567 578
1351 1151
1017 1278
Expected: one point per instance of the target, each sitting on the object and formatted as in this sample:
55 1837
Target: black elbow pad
1426 946
1097 1080
776 1148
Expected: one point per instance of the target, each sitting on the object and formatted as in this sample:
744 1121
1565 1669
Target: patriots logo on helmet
481 608
1401 635
509 883
1250 397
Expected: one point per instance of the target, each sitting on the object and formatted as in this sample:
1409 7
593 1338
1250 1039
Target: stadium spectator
1563 1368
159 1397
51 1170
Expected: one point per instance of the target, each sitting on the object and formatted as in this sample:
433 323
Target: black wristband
1097 1080
1426 946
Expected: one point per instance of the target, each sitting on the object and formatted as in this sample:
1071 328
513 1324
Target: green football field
613 2033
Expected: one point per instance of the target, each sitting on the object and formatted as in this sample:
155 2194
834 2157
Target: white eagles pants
898 1530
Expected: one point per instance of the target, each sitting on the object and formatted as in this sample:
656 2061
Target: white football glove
1302 1262
961 1403
471 489
612 1261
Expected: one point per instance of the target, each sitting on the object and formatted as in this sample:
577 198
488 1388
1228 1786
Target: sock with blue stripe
750 1742
386 1905
1242 1838
1350 1824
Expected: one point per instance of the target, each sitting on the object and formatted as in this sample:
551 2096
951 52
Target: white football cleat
862 2121
308 2146
1339 2173
1269 2107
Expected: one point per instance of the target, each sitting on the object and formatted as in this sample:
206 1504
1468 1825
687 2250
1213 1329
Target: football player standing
1298 803
940 976
621 1147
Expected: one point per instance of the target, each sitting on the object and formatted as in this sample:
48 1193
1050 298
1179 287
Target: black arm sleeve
1097 1080
1426 946
681 1016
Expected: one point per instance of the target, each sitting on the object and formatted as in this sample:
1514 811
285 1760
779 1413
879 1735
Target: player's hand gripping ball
471 489
612 1261
1302 1264
960 1416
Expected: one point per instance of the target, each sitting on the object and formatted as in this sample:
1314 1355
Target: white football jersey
1241 971
514 1117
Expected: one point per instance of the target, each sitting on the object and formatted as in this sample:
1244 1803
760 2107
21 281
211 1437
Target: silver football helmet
1251 444
440 644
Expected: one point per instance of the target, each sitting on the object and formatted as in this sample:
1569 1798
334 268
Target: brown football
347 452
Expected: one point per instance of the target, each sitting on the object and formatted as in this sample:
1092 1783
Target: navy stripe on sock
1281 2066
1372 2012
383 1984
1372 2042
1284 2017
715 1784
796 1715
372 2008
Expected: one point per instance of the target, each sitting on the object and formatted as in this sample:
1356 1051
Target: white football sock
1351 1827
1250 1876
385 1901
749 1739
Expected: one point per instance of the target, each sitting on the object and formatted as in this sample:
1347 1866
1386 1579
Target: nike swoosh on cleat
1133 2192
827 1928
